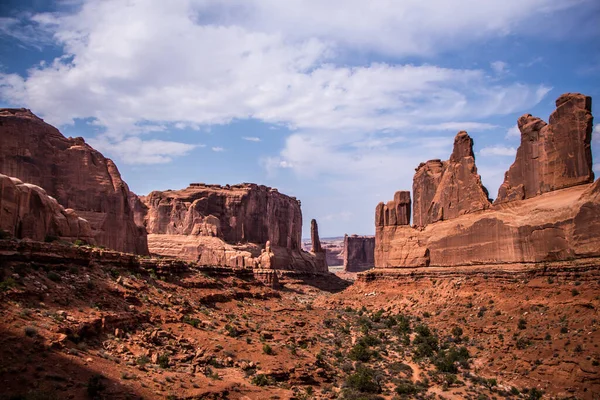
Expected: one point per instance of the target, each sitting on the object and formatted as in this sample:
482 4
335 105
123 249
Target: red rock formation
215 225
425 183
395 212
236 214
556 226
359 252
558 220
552 156
26 211
314 237
72 172
446 190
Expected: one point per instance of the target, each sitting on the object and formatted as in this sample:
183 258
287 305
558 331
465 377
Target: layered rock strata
26 211
560 222
359 253
72 172
245 225
552 156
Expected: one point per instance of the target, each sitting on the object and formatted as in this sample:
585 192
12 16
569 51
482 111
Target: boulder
73 173
552 156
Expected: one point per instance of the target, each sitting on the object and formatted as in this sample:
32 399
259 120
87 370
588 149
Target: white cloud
130 61
596 134
513 132
499 67
498 150
217 149
133 150
251 139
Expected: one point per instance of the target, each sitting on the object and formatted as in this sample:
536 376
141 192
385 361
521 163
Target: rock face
425 184
559 220
72 172
314 237
26 211
445 190
552 156
359 252
555 226
229 226
395 212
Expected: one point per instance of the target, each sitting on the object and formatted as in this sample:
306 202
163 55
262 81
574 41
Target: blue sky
333 102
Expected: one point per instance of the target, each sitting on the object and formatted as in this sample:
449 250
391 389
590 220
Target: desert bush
267 349
7 284
522 324
260 380
426 343
359 352
163 361
364 380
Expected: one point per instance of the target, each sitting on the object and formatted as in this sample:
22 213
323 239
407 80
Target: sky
335 102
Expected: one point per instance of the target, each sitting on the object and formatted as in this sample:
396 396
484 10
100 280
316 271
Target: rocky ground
98 331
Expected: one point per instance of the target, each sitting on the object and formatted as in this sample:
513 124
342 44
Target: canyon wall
547 210
359 253
245 225
26 211
72 172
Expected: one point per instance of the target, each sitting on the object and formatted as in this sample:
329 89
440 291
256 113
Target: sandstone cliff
445 190
72 172
26 211
552 156
558 220
244 225
359 253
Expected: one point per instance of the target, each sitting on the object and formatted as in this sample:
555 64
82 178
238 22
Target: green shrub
7 284
363 380
407 387
267 349
359 352
446 360
522 324
163 361
426 344
5 235
260 380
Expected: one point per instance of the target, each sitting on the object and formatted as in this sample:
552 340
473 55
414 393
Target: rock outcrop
552 156
359 252
446 190
558 221
314 237
395 212
76 175
26 211
245 225
425 184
